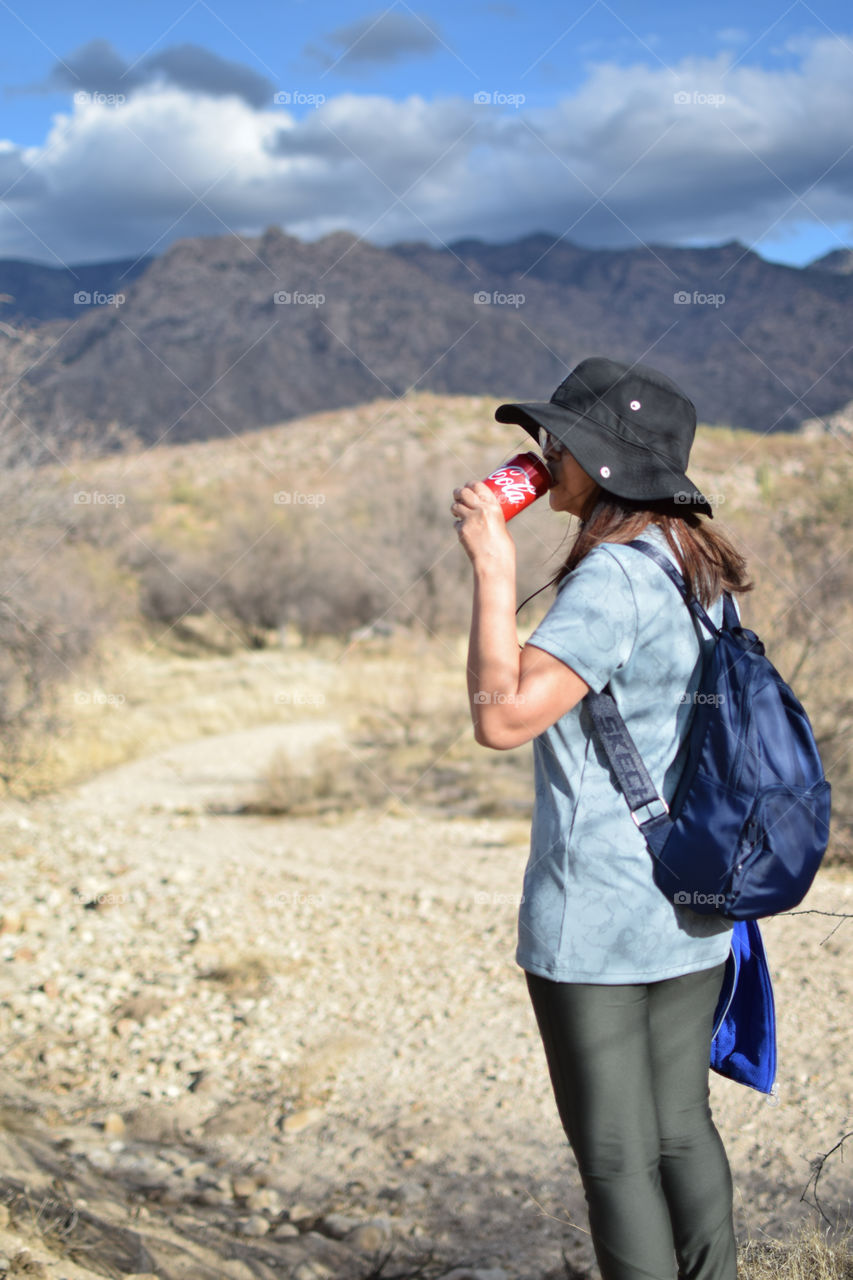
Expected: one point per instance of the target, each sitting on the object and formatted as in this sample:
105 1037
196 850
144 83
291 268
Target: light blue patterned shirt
591 911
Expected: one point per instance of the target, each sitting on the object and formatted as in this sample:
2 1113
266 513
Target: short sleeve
592 625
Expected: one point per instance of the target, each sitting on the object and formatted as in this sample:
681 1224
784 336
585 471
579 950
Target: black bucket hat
629 426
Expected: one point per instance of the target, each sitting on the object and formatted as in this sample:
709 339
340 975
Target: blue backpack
749 821
748 824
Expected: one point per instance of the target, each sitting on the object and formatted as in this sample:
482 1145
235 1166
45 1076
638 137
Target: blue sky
614 124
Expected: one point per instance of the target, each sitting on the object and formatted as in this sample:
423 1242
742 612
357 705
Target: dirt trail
332 1007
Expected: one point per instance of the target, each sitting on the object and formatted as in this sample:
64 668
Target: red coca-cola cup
519 482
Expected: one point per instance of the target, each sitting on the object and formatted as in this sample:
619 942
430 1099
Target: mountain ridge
225 334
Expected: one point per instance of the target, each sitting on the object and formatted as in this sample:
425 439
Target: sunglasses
549 443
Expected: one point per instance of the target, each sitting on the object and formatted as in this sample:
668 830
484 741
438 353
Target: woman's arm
514 695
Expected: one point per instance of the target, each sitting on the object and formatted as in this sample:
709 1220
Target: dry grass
809 1256
50 1219
142 698
53 1224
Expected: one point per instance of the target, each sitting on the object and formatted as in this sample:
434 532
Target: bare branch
817 1170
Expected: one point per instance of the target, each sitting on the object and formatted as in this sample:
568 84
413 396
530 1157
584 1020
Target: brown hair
708 561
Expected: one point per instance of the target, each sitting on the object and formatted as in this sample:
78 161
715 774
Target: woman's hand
481 527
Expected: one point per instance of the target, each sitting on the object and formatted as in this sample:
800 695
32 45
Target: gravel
317 1028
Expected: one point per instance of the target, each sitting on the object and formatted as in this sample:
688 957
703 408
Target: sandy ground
332 1008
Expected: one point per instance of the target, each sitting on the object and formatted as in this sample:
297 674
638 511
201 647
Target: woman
624 983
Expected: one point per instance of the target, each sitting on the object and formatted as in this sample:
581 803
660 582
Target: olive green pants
629 1066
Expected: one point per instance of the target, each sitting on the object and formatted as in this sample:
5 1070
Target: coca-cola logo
513 484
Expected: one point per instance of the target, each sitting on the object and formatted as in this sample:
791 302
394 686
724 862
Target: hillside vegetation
332 536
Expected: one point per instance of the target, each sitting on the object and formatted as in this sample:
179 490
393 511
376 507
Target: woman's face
574 487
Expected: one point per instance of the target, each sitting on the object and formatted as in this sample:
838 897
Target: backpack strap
730 616
625 760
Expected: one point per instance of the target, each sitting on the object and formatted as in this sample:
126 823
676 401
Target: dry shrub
260 572
57 600
399 759
386 555
172 591
248 971
287 788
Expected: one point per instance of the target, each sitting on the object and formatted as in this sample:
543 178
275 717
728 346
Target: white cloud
118 181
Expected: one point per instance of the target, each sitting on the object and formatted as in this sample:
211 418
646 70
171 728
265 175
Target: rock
304 1272
338 1225
299 1120
170 1195
300 1213
391 1193
285 1231
314 1270
265 1198
4 1216
213 1196
367 1237
243 1186
101 1159
162 1121
145 1172
256 1225
237 1269
221 1184
405 1193
114 1125
239 1118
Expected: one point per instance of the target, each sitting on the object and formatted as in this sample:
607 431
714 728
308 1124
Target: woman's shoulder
635 562
652 587
600 567
620 559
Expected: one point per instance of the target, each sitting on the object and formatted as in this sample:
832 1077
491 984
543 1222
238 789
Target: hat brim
625 469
